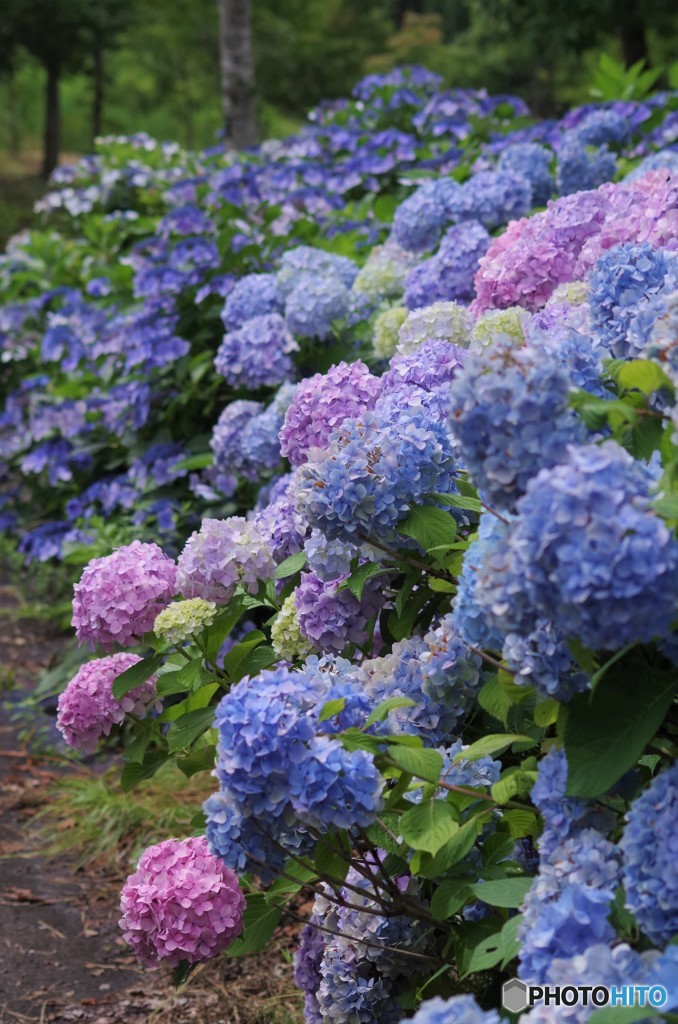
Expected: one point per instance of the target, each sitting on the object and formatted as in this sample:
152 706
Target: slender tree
237 72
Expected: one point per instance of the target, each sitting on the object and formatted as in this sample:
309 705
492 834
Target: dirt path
62 957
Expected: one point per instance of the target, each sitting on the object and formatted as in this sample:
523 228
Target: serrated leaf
429 825
453 851
468 503
514 783
357 580
332 708
136 674
429 526
421 762
382 711
330 862
201 760
494 700
494 743
238 652
439 586
188 727
201 461
260 921
606 732
222 626
291 566
256 661
450 896
642 374
133 774
505 892
521 823
546 713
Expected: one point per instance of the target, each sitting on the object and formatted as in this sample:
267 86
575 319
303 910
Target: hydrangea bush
425 633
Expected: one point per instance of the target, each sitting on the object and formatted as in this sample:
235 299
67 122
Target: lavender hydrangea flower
314 305
119 596
542 659
580 169
252 296
219 556
649 864
419 220
450 274
87 709
181 904
531 161
321 403
494 198
304 262
330 617
257 354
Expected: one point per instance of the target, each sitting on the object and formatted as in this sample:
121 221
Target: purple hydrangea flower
87 709
257 355
181 904
321 404
119 596
449 275
222 554
252 296
331 617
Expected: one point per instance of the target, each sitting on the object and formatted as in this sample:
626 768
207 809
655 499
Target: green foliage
614 81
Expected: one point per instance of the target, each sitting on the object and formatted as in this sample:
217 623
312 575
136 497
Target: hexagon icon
514 995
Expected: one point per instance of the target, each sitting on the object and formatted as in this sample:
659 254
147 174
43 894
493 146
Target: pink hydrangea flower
182 903
119 596
87 708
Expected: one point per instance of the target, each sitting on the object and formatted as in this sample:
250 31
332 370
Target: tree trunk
12 119
98 88
237 73
52 121
631 30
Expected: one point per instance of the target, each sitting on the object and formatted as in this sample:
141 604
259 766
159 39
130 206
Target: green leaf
621 1014
238 653
190 676
494 743
135 750
453 851
382 711
546 713
450 896
505 892
521 823
260 921
201 760
439 586
643 375
400 623
254 662
429 526
136 675
378 835
182 972
133 774
222 626
201 461
514 782
418 761
332 708
188 727
494 700
510 946
330 862
291 566
357 580
606 733
429 825
463 501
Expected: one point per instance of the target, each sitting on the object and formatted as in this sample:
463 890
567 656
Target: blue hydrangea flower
456 1010
449 275
257 354
450 673
664 160
494 198
314 305
581 169
336 788
587 552
511 418
244 842
623 282
419 220
567 908
562 816
542 659
371 471
531 161
472 621
253 295
603 127
330 559
305 263
649 861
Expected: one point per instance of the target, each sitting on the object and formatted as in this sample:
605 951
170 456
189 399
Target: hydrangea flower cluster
254 295
219 556
286 637
456 1010
441 321
182 620
586 539
649 872
530 161
449 275
329 616
510 417
371 470
181 904
321 404
87 709
119 596
387 330
257 355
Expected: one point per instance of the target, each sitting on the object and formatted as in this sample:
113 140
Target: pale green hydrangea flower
384 273
574 292
184 619
443 321
286 638
498 324
386 328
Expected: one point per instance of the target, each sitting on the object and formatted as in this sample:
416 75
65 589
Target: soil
62 957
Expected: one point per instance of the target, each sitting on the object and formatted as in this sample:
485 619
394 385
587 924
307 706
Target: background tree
236 66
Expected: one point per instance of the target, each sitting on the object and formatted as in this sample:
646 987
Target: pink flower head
182 903
87 708
119 596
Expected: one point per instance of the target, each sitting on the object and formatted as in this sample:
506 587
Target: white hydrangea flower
446 321
286 638
184 619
